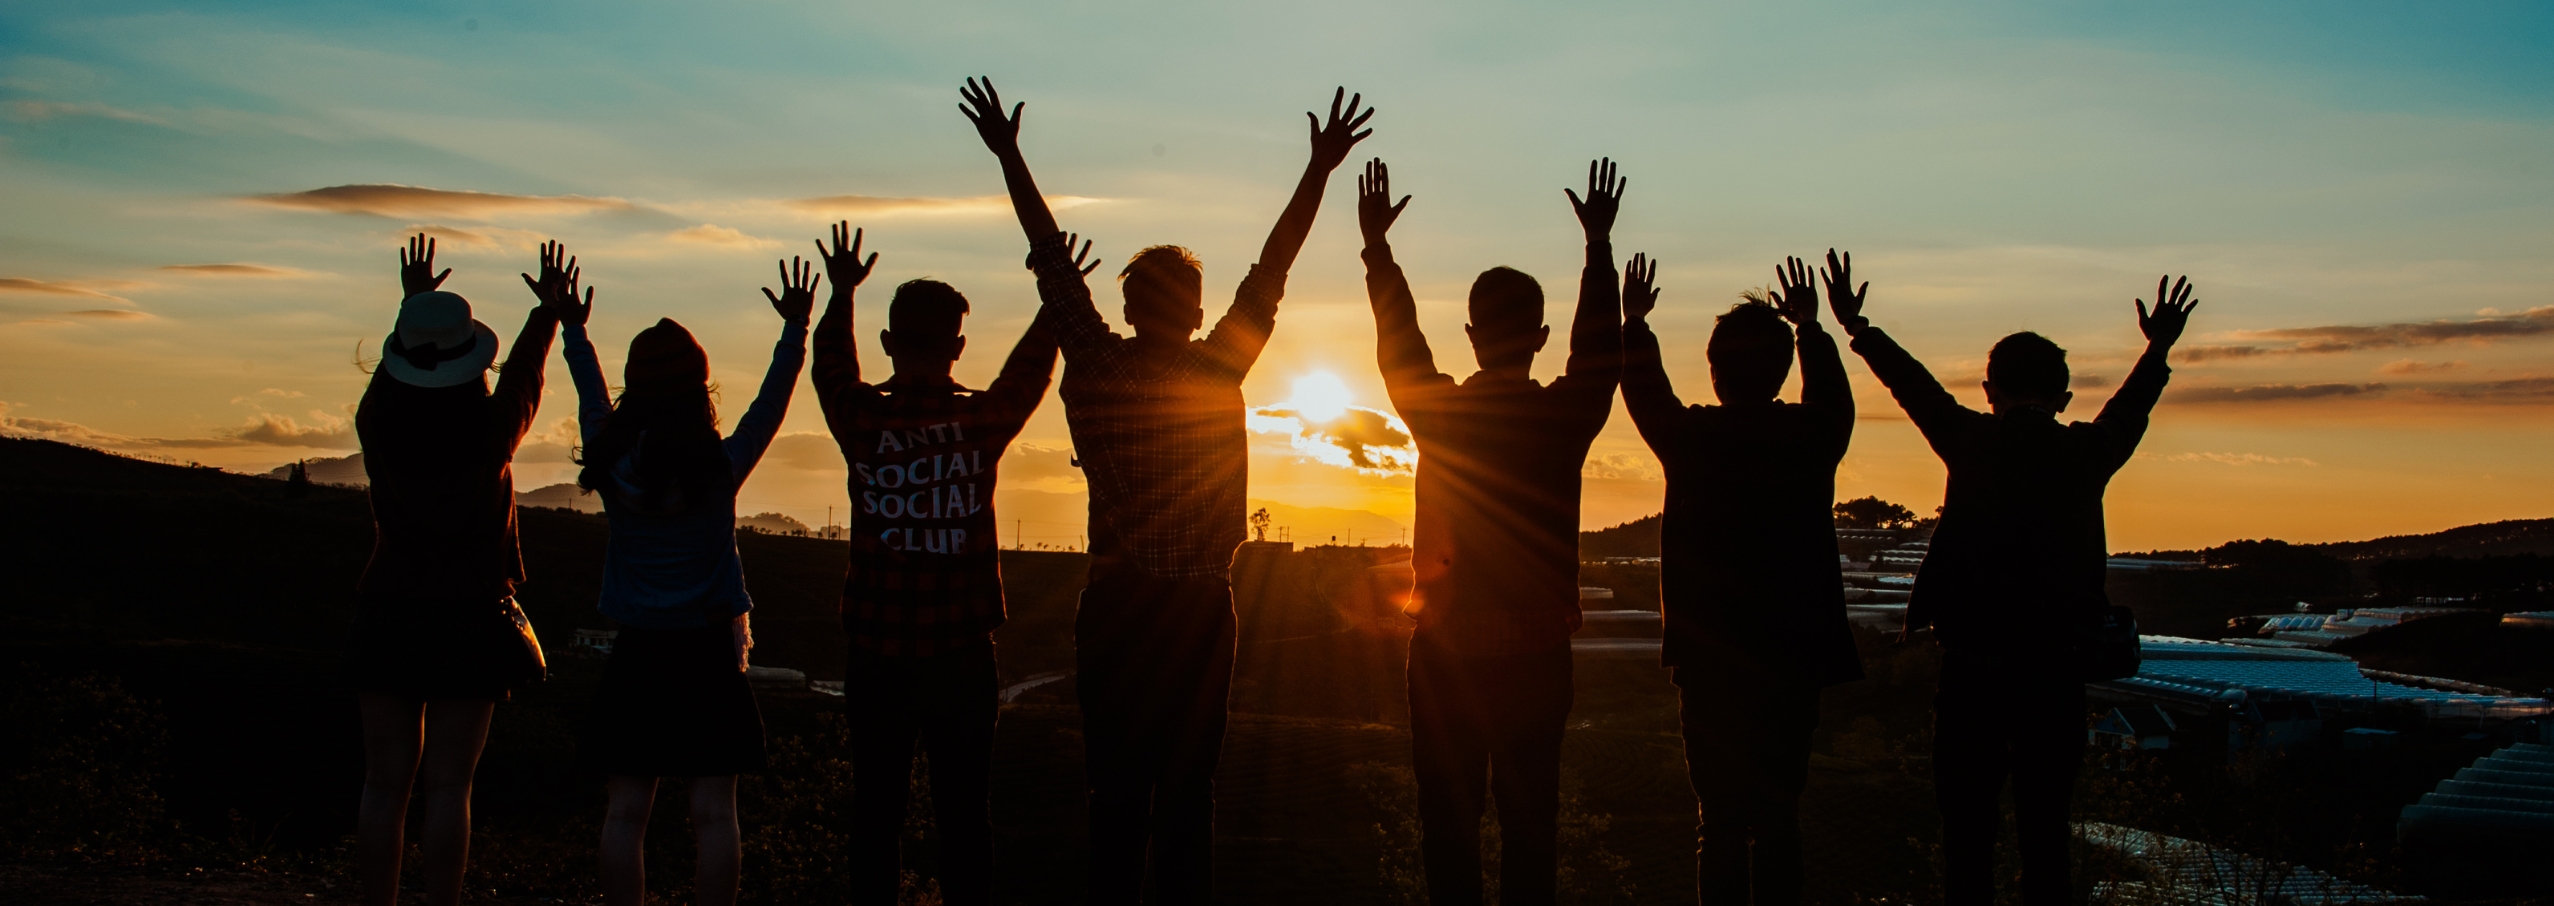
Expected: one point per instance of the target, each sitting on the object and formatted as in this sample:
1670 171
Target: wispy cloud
2409 366
394 200
2493 326
1621 466
235 270
46 110
482 237
2242 459
715 235
325 432
875 206
51 288
111 314
2271 393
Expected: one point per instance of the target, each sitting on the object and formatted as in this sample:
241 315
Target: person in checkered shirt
923 593
1495 548
1157 420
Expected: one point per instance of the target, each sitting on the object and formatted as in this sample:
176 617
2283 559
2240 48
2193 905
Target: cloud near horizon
2510 390
51 288
1369 441
326 432
875 206
2534 322
395 200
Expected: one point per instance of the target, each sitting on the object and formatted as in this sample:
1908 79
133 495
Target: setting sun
1318 397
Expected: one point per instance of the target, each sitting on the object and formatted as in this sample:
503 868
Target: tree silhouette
1259 525
1873 513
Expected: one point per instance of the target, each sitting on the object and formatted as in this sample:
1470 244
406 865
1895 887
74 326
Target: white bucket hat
436 343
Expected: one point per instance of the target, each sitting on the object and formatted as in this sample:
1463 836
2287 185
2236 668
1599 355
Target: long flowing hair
666 417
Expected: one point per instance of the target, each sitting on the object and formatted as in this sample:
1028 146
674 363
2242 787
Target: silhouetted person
1157 421
1496 546
435 645
924 592
673 701
1754 601
2015 567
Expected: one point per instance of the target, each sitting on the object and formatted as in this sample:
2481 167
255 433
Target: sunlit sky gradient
2361 191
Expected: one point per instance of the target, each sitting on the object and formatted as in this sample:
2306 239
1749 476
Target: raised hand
1331 141
1842 295
983 107
1086 269
1604 198
2173 306
417 267
556 287
1375 208
1799 299
843 262
798 279
1640 289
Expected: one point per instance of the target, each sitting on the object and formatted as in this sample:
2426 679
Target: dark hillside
2515 536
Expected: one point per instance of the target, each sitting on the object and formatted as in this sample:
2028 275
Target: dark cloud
392 200
2266 393
1359 438
111 314
50 288
281 431
2534 322
2088 382
2512 390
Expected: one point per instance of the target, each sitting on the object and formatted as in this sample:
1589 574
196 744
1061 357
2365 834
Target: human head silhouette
922 328
1750 353
1507 326
1165 293
2026 371
665 414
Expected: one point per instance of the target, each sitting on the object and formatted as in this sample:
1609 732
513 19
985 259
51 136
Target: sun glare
1319 397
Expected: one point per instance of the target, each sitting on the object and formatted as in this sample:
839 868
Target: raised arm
1823 386
837 370
1596 333
2125 416
1400 349
518 392
754 432
1031 367
1331 143
1932 408
1647 393
982 106
1064 293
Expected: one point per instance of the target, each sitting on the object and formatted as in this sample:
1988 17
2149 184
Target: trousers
1993 722
1747 751
1154 672
950 704
1484 728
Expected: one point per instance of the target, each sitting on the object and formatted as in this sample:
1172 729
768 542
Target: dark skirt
436 651
673 704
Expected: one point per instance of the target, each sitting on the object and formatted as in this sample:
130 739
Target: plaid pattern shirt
1161 439
926 570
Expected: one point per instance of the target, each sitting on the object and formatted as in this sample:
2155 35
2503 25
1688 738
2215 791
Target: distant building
2191 674
2503 797
597 642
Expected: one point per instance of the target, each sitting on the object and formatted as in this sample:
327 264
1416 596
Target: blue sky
2317 168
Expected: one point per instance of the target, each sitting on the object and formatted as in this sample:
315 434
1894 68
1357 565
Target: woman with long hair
674 701
437 638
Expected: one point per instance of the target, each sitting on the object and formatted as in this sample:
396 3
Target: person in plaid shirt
924 591
1496 543
1157 420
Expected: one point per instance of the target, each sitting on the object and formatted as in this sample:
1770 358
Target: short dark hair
1506 300
1750 351
1167 263
926 307
1162 276
2027 364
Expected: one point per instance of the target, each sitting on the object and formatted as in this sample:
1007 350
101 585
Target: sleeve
1410 372
1080 332
1649 396
761 423
1824 388
1932 408
1027 373
2125 417
517 397
836 371
1596 334
1243 331
593 398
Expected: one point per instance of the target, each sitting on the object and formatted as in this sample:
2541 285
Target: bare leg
455 733
624 856
393 733
714 834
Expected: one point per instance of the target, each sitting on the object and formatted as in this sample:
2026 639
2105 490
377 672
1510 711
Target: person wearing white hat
437 639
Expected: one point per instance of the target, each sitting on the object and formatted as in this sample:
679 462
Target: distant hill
1637 538
2490 539
344 470
564 495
